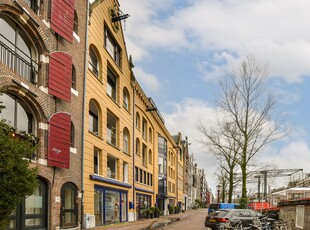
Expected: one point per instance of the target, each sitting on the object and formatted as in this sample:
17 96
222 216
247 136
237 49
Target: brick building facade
42 67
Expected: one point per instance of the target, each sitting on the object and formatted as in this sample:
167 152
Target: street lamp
218 195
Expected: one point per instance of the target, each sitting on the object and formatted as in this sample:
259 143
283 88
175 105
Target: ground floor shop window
143 203
31 212
110 206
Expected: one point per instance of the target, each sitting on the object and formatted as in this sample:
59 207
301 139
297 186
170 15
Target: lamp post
218 195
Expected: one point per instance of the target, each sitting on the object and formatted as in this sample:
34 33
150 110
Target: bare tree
246 113
225 150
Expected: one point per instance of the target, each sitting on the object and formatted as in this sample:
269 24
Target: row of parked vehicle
229 216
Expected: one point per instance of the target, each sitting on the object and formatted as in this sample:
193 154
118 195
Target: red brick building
42 58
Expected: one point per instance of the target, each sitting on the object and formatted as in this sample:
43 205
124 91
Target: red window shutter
60 74
59 140
62 18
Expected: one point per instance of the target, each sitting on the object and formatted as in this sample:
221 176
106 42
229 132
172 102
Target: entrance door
31 212
69 208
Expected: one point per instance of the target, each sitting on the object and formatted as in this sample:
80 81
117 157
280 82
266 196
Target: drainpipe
133 148
83 112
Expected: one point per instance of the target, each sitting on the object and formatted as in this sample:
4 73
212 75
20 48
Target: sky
181 48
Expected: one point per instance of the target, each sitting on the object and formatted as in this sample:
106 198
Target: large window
17 51
97 161
143 202
126 141
125 172
144 129
112 47
138 147
150 157
126 99
138 120
112 167
18 114
111 86
110 206
144 155
31 213
93 118
93 61
112 129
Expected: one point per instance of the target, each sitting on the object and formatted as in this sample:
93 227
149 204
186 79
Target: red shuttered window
60 71
59 140
62 18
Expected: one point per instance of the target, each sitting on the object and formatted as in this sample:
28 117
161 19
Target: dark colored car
214 206
220 217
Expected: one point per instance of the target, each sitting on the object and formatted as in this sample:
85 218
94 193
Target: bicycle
283 225
236 226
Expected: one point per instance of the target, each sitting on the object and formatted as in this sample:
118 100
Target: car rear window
221 213
213 206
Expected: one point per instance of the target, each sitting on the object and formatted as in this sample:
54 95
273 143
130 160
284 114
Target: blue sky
180 48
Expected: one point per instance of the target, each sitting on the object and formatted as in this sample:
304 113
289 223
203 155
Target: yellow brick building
130 158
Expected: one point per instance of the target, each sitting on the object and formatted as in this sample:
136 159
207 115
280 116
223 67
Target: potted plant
157 212
176 209
151 211
171 209
147 213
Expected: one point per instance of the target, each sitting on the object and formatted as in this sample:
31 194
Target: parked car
220 217
214 206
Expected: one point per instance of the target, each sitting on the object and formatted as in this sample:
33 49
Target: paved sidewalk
148 224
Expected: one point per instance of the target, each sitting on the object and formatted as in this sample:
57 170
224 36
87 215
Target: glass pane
12 224
22 119
34 203
124 207
99 207
69 218
33 222
69 199
9 112
112 209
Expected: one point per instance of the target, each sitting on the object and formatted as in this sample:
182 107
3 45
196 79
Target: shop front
110 205
143 203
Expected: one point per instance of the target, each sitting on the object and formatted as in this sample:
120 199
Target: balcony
18 61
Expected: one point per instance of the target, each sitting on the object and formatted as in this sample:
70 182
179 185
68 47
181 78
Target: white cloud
184 115
183 118
273 31
148 81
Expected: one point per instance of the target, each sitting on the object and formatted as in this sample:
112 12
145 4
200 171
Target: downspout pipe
133 150
83 112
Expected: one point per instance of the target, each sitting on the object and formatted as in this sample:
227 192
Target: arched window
93 61
126 141
93 118
138 147
138 121
69 209
19 53
18 113
126 99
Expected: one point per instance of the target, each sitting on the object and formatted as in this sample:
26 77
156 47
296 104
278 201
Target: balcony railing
18 61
